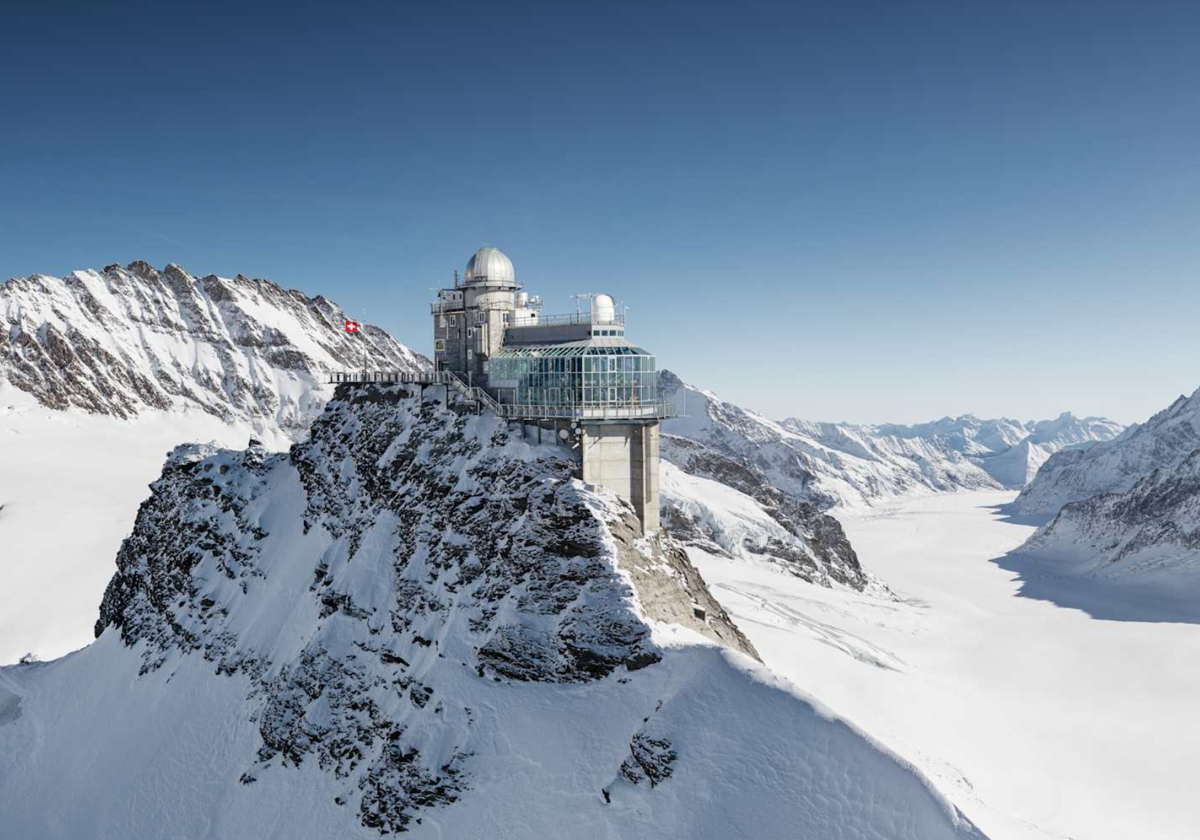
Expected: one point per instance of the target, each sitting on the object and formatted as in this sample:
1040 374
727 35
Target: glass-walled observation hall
576 379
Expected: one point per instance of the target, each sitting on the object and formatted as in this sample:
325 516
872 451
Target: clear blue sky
861 211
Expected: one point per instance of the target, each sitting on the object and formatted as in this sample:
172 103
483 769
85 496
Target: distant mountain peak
1114 466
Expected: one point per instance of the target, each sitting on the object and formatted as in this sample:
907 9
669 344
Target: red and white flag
351 326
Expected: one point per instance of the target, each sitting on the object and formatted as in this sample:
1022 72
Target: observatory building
575 376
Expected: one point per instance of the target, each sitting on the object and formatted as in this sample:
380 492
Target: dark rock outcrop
417 533
127 340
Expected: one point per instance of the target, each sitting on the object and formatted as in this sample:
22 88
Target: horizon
427 351
873 213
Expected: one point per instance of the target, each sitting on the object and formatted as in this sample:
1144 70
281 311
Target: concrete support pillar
623 457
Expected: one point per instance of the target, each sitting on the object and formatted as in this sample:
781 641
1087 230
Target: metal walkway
483 400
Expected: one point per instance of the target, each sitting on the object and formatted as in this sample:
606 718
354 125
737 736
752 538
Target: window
442 322
439 345
470 332
480 317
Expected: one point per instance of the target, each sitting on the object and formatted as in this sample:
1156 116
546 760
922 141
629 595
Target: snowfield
70 487
102 374
418 621
1039 721
102 754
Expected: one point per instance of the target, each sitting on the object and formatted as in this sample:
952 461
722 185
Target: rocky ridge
499 560
1151 529
756 519
126 340
1162 442
416 621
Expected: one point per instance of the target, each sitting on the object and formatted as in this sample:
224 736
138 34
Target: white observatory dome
603 309
491 267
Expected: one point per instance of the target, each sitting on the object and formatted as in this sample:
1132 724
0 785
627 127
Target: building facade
575 374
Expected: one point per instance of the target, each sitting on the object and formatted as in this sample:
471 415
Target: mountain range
124 341
375 610
103 372
850 466
415 621
1126 509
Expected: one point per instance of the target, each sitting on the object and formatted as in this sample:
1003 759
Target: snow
856 466
1039 721
70 486
819 462
1115 466
123 340
161 739
226 358
167 760
734 518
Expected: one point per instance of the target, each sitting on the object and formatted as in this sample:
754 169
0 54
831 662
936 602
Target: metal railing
645 411
571 318
477 395
441 306
439 377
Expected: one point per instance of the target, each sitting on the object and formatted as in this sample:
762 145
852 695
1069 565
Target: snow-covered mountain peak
825 464
1114 466
1150 533
126 340
417 621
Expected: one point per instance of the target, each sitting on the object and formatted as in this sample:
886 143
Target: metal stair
472 393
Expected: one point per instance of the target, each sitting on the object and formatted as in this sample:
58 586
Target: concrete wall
469 341
624 458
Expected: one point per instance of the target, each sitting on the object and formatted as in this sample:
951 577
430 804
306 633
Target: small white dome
491 267
603 309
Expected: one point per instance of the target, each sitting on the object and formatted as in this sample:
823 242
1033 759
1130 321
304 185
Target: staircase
472 393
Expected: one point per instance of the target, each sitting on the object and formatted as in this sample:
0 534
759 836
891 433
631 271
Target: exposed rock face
806 542
825 464
125 340
793 470
1162 442
1152 529
416 621
472 534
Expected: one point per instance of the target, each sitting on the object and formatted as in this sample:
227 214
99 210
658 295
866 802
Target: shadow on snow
1173 600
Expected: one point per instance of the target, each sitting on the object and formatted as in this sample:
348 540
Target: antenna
456 278
577 298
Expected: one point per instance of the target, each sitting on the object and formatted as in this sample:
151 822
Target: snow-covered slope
1010 451
415 621
1069 430
1162 442
1151 531
822 463
125 340
730 509
103 373
1042 723
70 486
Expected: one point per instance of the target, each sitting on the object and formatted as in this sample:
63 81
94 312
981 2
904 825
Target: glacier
414 620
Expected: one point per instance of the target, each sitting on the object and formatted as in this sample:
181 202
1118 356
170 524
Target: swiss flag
351 326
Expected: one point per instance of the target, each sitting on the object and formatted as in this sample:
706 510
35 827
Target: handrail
473 393
570 318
